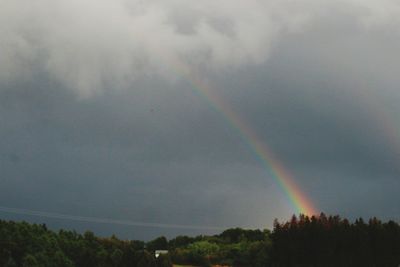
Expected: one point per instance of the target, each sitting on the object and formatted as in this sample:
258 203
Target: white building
157 253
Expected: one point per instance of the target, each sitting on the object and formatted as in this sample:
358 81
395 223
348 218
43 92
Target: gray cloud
91 45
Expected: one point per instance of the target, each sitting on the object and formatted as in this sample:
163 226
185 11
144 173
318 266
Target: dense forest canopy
303 241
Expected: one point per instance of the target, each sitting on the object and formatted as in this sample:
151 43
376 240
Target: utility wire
105 220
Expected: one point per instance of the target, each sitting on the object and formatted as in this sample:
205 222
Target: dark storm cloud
121 155
328 111
138 143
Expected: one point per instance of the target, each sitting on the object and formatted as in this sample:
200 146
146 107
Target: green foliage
332 241
203 248
30 261
145 259
160 243
23 244
180 241
236 247
164 261
237 235
317 241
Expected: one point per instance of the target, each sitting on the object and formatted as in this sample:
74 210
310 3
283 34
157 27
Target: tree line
303 241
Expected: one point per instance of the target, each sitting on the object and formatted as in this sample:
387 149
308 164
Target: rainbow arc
301 203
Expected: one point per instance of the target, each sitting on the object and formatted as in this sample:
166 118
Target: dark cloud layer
155 151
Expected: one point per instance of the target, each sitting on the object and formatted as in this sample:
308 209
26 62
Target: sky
105 123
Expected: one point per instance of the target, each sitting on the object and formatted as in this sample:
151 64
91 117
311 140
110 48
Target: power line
105 220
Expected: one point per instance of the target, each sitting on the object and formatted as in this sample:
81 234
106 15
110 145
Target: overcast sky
97 120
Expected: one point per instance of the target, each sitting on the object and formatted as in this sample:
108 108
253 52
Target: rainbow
263 153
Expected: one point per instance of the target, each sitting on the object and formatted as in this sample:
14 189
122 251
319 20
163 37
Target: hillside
302 241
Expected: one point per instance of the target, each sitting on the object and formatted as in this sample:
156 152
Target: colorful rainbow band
260 149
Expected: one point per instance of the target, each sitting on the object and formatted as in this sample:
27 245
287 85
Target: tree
30 261
160 243
145 259
116 257
60 260
164 260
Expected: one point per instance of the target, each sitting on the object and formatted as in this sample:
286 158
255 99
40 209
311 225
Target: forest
303 241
